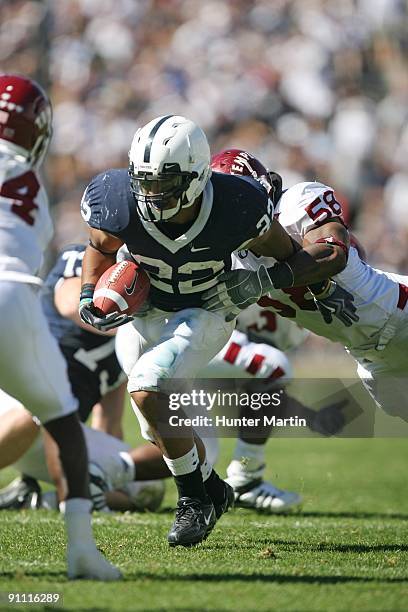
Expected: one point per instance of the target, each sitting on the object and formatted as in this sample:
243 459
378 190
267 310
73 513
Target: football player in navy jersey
181 225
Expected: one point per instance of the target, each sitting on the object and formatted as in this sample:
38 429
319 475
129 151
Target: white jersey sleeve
306 206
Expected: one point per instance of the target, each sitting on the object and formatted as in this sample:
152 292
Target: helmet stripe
151 136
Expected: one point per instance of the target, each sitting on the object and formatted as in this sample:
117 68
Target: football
123 288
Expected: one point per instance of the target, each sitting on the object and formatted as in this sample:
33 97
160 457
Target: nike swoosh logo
130 290
194 250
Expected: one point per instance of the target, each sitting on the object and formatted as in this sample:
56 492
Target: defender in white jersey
376 334
32 368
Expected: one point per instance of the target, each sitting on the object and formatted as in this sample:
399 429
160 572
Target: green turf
348 550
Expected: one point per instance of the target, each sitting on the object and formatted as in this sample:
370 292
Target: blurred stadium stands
316 89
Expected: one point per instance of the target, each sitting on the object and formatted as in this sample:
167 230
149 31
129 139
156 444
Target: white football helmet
169 163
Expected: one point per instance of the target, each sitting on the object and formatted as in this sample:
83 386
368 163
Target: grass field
347 550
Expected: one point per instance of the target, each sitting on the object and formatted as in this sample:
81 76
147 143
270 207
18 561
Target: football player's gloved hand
237 290
95 317
334 301
329 420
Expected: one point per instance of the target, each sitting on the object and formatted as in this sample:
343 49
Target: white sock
206 469
250 455
183 465
78 521
245 450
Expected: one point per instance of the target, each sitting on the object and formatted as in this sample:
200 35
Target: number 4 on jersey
22 191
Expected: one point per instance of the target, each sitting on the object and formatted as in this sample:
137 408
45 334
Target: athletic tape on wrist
87 291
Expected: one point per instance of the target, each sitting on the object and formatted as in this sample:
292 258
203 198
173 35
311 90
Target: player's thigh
33 463
133 338
240 358
387 387
32 368
189 340
17 430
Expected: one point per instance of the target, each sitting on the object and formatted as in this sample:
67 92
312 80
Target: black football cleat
23 492
227 503
193 523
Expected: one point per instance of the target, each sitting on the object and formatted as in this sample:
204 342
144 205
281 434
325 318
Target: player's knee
153 367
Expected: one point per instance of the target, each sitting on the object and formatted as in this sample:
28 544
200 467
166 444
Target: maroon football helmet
25 117
240 162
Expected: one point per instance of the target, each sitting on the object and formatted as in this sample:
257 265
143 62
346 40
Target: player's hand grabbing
334 301
237 290
330 420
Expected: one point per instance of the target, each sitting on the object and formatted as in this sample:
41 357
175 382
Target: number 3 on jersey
21 192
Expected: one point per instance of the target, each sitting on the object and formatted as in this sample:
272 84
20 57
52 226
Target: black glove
95 317
334 301
329 420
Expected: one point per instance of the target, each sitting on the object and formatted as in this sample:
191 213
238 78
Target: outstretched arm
323 255
315 262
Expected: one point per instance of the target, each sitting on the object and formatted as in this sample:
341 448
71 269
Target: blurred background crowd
318 89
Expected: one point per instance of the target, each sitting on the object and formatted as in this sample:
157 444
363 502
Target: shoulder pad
307 205
106 200
247 204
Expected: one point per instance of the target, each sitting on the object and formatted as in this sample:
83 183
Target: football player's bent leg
33 370
384 373
188 340
267 368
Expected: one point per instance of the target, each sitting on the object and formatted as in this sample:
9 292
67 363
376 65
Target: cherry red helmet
25 117
238 161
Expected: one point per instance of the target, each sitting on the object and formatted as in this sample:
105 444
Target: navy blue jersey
234 210
68 333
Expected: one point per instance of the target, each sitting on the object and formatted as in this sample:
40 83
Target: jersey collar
181 241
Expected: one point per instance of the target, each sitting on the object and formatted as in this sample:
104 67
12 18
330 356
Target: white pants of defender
165 346
384 373
32 368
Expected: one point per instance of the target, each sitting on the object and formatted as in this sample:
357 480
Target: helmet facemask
154 193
